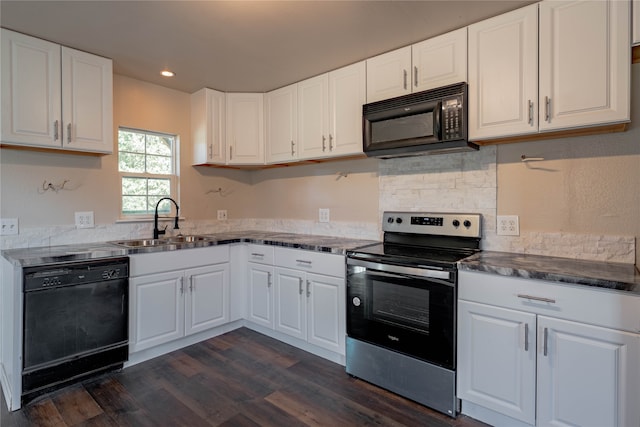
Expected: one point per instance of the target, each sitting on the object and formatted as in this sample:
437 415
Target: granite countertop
616 276
28 257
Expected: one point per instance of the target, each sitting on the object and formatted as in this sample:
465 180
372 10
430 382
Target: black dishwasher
75 322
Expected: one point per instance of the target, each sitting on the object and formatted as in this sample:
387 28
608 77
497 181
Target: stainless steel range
401 305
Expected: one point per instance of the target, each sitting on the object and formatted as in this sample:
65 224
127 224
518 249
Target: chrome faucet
156 231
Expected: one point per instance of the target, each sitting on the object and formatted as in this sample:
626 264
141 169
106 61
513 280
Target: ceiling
240 46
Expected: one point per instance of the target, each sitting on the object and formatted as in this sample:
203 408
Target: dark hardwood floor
241 378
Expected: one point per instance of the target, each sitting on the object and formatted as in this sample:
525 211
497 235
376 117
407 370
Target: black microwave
430 122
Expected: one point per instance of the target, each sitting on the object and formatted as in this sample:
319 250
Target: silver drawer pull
526 337
541 299
301 261
257 254
546 338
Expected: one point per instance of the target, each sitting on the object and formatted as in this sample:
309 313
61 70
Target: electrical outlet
508 225
84 219
222 214
9 226
324 215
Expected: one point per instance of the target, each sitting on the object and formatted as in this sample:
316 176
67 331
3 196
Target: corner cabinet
245 128
166 306
569 70
208 121
540 353
55 97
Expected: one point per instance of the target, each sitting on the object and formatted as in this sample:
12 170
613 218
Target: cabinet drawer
596 306
157 262
262 254
315 262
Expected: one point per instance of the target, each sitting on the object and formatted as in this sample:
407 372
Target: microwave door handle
437 114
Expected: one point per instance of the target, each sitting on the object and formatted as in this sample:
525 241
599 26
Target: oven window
407 127
405 307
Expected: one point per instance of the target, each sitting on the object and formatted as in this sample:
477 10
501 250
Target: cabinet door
587 375
31 89
584 63
290 303
260 281
87 102
282 124
157 309
440 61
245 128
326 312
208 126
313 118
503 79
389 75
347 94
497 359
207 298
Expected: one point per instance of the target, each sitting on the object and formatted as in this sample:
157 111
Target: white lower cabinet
552 355
173 304
260 288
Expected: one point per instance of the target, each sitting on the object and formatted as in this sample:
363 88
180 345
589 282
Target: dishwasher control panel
75 273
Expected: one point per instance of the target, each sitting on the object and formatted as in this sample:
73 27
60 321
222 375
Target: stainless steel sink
187 239
141 243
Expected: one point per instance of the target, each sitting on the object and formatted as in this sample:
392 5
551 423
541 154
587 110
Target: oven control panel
446 224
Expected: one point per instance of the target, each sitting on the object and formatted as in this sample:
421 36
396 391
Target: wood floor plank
241 378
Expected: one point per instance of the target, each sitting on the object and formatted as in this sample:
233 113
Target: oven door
403 309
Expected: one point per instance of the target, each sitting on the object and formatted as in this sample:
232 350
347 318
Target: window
147 165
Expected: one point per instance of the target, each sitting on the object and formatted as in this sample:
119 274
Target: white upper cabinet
281 109
388 75
208 112
54 96
313 117
440 61
245 128
636 22
570 70
436 62
584 63
347 95
503 74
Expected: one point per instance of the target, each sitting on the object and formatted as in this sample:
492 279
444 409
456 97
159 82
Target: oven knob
456 223
467 223
390 220
356 301
398 220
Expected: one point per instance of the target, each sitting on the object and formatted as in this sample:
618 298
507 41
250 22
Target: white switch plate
222 214
9 226
84 219
508 225
324 215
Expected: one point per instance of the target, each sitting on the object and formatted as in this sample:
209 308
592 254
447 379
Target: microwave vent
416 98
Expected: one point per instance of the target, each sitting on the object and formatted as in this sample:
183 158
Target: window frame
174 178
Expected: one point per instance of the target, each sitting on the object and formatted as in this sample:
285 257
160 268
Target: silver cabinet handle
192 286
415 76
405 79
182 285
531 112
300 286
330 142
55 130
269 281
69 132
308 288
302 261
547 109
292 149
534 298
526 337
231 152
545 338
324 145
257 254
210 151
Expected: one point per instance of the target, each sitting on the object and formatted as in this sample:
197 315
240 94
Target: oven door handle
400 270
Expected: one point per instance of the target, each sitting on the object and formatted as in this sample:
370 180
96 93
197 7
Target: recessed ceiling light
167 73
